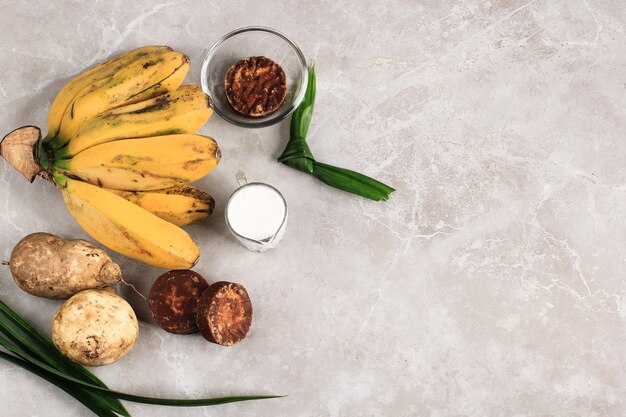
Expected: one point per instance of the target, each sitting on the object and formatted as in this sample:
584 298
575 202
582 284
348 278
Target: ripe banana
88 78
127 125
182 111
180 205
144 164
169 83
149 76
127 228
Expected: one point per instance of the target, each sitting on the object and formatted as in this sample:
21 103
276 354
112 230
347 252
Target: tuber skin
47 266
95 328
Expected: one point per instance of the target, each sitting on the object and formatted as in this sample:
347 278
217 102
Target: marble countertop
491 284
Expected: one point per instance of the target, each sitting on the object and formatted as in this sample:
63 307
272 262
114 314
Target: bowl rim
260 122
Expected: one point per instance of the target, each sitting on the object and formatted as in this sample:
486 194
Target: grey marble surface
491 284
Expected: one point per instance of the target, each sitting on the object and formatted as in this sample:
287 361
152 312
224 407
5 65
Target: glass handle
241 178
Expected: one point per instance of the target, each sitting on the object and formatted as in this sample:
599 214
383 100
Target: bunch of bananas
121 147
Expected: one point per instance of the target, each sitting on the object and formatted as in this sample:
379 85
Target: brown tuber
94 328
47 266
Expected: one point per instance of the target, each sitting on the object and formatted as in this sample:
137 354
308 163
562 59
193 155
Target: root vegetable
94 328
47 266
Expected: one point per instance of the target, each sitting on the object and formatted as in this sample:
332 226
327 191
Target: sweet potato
95 327
47 266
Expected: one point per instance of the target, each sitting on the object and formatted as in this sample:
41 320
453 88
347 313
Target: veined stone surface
491 284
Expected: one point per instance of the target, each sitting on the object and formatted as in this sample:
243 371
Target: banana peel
142 218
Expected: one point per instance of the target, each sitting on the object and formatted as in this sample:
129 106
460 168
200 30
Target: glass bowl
243 43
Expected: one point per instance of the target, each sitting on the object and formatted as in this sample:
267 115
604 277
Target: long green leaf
39 345
298 155
42 347
301 118
351 181
48 350
98 408
19 345
31 340
135 398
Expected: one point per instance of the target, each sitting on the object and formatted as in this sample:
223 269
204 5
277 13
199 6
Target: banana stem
19 149
45 157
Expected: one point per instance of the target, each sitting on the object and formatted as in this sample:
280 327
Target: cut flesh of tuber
18 149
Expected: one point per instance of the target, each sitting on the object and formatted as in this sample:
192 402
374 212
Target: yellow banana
144 164
180 205
170 83
127 228
89 77
127 125
182 111
144 78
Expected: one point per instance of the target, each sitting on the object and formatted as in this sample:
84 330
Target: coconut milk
256 214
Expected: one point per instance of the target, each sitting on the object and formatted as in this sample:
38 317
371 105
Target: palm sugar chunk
174 298
255 86
224 313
